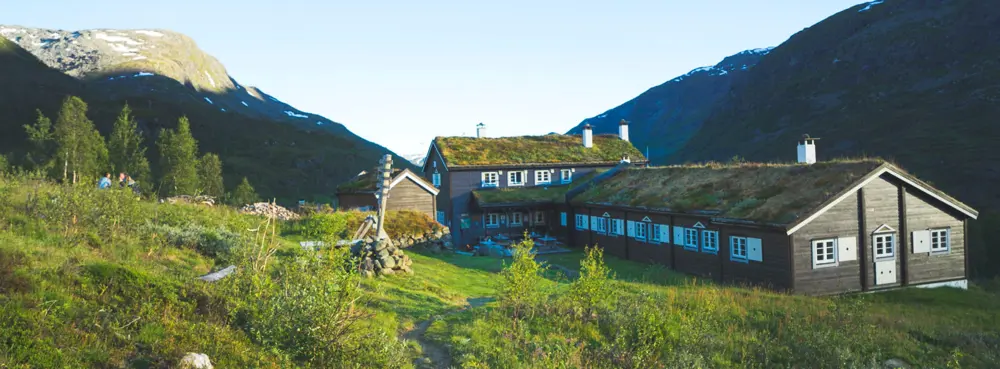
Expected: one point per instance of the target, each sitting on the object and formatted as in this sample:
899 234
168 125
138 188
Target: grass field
92 279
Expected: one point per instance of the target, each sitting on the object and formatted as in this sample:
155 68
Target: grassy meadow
100 279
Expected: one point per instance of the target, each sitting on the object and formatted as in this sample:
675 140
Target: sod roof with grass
366 181
521 150
756 192
537 195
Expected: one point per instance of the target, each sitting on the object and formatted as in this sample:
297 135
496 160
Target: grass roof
764 193
366 181
530 195
548 149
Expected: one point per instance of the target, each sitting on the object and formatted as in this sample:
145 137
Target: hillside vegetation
94 278
291 159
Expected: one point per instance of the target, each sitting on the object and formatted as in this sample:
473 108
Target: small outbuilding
407 191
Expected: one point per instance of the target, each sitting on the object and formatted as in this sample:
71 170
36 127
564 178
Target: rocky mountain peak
102 52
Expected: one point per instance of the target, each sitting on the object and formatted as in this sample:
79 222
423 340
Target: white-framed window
539 217
710 241
657 229
885 245
618 227
440 217
436 179
491 179
824 252
492 220
566 176
562 219
543 177
641 230
515 178
516 219
581 222
738 249
940 240
691 238
600 225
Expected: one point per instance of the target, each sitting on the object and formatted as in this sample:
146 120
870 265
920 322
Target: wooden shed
407 191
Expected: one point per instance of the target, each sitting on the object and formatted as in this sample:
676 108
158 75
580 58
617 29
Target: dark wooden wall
356 200
613 245
923 212
648 251
435 163
408 195
881 200
840 221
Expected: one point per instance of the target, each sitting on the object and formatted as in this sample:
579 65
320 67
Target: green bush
311 309
213 242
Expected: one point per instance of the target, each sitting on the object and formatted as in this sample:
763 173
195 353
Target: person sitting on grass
105 181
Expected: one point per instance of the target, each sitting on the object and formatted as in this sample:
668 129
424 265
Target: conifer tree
210 175
42 140
127 154
81 149
178 160
243 194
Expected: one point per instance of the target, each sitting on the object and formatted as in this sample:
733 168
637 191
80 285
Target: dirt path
434 355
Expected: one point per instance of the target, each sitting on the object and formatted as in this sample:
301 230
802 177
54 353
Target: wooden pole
385 171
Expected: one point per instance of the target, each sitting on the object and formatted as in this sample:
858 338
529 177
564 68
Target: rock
896 364
269 210
386 271
194 361
388 262
438 234
447 244
367 273
434 248
406 269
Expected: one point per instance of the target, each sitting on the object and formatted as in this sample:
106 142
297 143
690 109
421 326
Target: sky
400 72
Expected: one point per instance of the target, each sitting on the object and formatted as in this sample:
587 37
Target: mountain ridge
662 118
281 149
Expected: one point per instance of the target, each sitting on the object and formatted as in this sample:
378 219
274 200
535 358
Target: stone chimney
480 130
807 150
623 130
588 136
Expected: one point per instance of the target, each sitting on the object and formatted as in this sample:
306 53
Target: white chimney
480 130
807 150
588 136
623 130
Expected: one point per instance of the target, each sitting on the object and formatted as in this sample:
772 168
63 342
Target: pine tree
81 149
42 140
178 160
210 175
243 194
125 148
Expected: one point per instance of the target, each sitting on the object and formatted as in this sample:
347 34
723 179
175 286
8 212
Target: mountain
914 81
416 159
664 117
285 152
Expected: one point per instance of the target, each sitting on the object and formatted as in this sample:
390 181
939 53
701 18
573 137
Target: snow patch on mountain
870 5
210 79
149 33
245 104
209 101
296 115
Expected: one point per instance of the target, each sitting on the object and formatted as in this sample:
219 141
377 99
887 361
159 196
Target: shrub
312 310
518 284
593 289
212 242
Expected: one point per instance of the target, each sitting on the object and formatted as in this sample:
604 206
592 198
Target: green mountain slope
283 154
914 81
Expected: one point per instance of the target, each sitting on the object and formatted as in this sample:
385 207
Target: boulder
269 210
447 244
194 361
386 271
406 269
388 262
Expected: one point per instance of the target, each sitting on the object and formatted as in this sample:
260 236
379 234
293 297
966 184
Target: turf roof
366 181
762 193
548 149
534 195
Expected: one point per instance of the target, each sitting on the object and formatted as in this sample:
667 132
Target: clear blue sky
401 72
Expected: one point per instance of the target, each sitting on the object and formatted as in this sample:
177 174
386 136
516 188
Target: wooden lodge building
806 227
407 191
